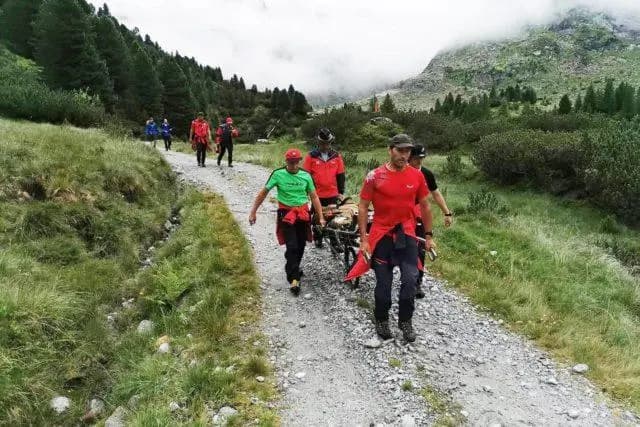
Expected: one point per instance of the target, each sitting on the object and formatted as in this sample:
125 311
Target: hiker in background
393 189
165 130
293 222
327 170
224 137
417 154
151 131
200 136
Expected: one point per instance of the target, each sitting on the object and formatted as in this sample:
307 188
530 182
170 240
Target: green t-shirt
292 187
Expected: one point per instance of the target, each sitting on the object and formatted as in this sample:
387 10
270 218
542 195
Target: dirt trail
481 373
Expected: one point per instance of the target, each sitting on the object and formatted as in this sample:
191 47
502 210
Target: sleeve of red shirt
368 186
340 164
235 133
306 165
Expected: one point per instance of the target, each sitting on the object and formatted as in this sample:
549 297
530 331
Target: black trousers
295 240
152 138
385 257
422 252
226 147
201 153
167 142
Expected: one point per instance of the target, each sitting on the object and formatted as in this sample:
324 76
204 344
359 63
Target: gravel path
475 370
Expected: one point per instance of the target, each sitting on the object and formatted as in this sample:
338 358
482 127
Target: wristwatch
449 214
428 233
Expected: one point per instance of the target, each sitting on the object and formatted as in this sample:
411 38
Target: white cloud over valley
333 45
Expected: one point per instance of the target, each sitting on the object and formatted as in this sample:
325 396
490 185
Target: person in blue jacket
151 131
165 130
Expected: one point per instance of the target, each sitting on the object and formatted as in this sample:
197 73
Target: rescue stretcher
341 233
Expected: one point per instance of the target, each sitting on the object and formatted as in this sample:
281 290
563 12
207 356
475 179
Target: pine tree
458 106
275 95
608 100
628 108
65 48
146 84
590 100
291 91
565 105
387 107
177 99
619 95
16 25
438 106
299 105
578 105
447 104
284 103
113 49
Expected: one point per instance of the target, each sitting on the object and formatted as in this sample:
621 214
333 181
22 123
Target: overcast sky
332 45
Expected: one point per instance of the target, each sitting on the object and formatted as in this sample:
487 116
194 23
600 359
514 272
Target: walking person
151 131
200 136
393 189
165 130
327 170
224 137
293 223
418 153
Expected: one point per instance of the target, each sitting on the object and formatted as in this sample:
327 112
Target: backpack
226 134
200 129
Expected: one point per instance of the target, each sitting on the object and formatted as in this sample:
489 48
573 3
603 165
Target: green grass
562 273
395 363
214 325
447 413
76 209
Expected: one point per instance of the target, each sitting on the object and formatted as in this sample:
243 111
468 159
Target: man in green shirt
295 188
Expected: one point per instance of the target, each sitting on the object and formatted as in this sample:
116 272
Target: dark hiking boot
318 243
407 331
295 287
230 166
419 292
383 330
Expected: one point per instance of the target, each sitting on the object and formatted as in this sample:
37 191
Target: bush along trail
465 366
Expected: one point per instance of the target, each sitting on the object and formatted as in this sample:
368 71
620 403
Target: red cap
293 154
229 120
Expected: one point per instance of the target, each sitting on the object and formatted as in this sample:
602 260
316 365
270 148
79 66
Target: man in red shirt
326 167
200 136
393 189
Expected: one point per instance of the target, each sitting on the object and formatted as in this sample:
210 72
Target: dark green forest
87 68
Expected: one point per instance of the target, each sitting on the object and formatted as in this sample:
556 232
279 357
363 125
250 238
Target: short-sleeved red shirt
394 194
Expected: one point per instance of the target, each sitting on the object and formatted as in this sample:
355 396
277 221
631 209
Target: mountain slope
566 56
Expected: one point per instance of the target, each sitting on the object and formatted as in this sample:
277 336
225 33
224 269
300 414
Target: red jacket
328 176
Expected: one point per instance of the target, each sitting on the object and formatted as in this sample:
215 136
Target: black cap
419 151
401 140
325 135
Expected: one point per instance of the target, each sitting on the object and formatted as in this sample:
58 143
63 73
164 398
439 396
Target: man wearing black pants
200 135
224 137
393 189
403 253
326 167
293 227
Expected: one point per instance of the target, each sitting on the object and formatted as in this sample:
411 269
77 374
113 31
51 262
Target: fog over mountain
337 46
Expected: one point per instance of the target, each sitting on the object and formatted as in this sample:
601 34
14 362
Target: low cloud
335 45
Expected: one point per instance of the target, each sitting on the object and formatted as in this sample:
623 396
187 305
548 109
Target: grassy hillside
554 270
564 57
77 211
